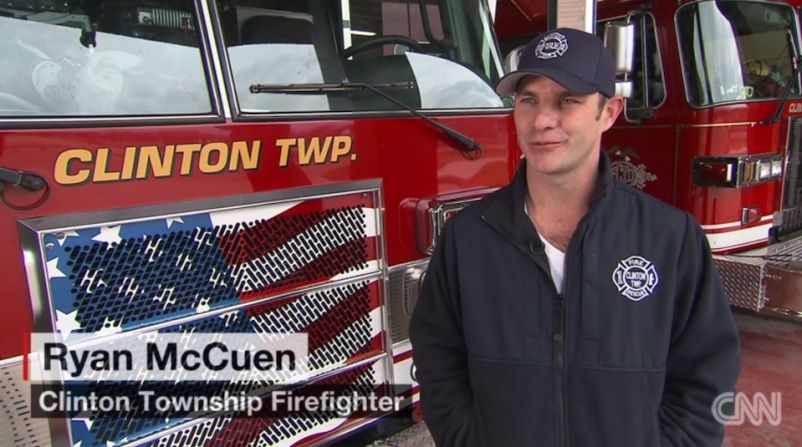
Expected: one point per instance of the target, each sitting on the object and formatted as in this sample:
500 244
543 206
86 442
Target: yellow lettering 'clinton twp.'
79 165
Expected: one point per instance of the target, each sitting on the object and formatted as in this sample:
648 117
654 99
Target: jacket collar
506 213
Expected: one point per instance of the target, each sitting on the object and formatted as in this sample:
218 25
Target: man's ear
612 109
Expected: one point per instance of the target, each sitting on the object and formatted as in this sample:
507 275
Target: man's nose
546 117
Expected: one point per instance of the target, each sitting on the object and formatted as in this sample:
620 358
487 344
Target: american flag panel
310 265
111 278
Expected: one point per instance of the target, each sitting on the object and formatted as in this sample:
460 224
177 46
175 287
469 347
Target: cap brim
508 84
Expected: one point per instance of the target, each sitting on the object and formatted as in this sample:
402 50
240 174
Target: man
568 308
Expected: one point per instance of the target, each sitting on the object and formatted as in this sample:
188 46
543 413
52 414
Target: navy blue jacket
632 353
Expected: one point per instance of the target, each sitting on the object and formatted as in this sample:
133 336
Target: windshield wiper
468 146
793 78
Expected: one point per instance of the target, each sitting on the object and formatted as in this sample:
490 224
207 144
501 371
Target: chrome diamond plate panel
743 274
742 279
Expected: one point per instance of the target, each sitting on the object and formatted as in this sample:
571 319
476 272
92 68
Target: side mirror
619 38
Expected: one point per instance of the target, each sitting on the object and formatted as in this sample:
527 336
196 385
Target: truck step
766 280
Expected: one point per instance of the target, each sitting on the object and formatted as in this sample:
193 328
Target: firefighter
568 308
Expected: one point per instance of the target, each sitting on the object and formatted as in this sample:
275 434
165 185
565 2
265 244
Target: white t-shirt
556 264
555 256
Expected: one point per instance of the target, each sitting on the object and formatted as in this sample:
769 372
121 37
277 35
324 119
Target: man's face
559 131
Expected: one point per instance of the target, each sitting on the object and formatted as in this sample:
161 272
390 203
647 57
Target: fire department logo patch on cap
635 278
551 46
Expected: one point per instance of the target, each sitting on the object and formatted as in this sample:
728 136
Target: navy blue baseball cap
574 59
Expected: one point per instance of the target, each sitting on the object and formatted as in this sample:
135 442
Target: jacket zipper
559 371
560 354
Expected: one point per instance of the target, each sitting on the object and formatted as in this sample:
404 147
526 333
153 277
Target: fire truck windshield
737 51
442 49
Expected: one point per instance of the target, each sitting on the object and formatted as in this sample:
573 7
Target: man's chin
546 166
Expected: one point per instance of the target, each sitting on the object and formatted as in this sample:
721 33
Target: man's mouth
546 144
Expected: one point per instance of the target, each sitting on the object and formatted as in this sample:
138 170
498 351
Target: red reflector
750 215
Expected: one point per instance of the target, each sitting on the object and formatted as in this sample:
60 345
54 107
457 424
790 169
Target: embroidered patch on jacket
635 278
553 45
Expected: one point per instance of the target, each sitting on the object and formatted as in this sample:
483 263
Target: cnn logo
754 409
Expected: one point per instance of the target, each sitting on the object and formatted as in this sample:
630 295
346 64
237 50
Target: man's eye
570 101
528 100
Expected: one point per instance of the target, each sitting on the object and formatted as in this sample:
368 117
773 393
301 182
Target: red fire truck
713 126
259 166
